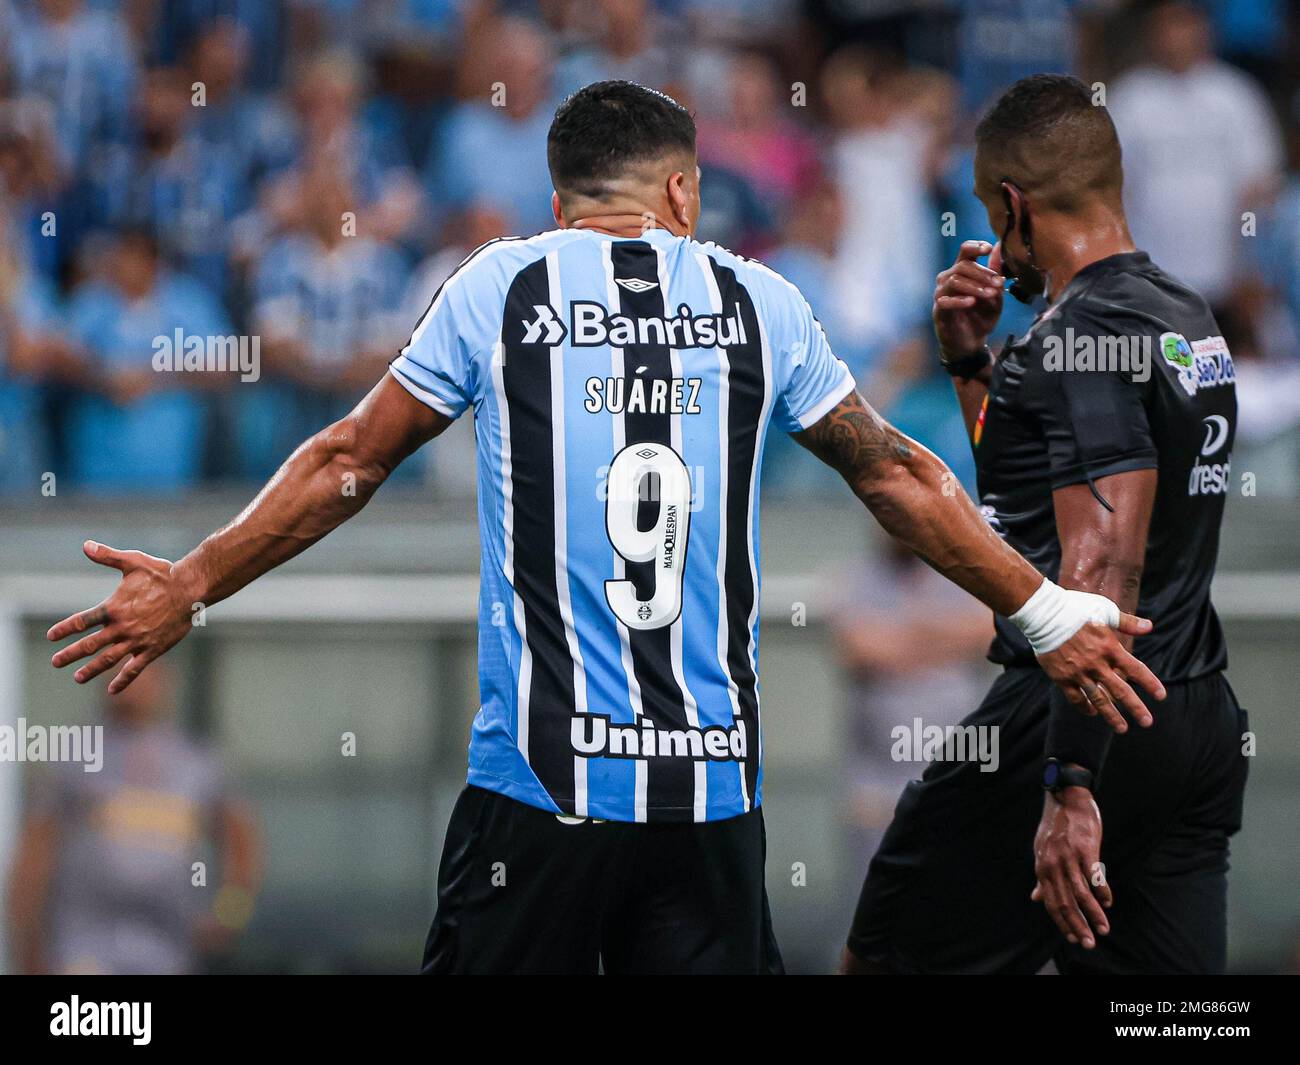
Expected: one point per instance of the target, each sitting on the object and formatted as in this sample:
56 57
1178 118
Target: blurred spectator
1266 358
330 137
884 158
1252 33
24 446
917 397
36 362
136 429
245 133
104 876
731 212
81 60
885 611
180 22
31 355
31 182
412 95
168 180
1200 147
624 44
314 24
492 151
327 300
326 306
806 257
756 138
1001 41
1275 249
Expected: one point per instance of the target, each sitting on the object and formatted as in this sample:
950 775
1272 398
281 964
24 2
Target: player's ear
557 210
679 198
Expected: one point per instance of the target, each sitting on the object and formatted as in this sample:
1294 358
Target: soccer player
622 378
1102 439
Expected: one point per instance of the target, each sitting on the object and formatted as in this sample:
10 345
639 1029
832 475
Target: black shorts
521 891
948 890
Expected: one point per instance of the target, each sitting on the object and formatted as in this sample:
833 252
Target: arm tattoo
855 440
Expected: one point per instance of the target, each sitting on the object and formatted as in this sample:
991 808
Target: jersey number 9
648 473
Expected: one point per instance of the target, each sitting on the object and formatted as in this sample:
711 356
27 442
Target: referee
1102 441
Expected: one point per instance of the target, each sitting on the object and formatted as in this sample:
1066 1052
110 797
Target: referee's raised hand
967 302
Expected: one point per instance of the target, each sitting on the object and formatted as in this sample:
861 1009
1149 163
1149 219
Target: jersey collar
1124 262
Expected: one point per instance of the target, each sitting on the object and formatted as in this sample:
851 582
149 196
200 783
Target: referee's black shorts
522 891
948 890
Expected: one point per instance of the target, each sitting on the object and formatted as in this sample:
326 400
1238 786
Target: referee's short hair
607 126
1053 138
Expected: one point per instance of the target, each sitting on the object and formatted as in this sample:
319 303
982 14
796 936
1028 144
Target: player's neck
627 223
1064 253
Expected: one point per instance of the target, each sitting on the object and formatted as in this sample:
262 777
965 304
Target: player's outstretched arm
329 478
916 498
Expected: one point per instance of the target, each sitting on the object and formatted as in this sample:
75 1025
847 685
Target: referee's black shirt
1125 371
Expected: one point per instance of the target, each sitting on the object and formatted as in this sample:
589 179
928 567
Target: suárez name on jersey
592 326
638 396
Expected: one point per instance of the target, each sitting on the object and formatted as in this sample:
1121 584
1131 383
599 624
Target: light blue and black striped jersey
622 389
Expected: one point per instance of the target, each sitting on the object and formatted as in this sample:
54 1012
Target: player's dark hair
609 125
1049 135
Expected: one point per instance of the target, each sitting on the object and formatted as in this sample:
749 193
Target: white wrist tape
1053 614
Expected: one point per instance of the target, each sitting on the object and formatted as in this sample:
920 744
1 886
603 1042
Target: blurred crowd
306 172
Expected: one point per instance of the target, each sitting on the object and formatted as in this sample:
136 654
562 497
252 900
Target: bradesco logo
1211 478
592 326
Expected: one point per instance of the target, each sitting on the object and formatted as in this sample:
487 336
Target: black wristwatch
968 365
1057 775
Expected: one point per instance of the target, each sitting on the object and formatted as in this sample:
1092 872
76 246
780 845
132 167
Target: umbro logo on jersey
635 284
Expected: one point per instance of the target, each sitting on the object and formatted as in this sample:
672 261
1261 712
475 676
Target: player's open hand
967 302
1067 862
147 614
1093 668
